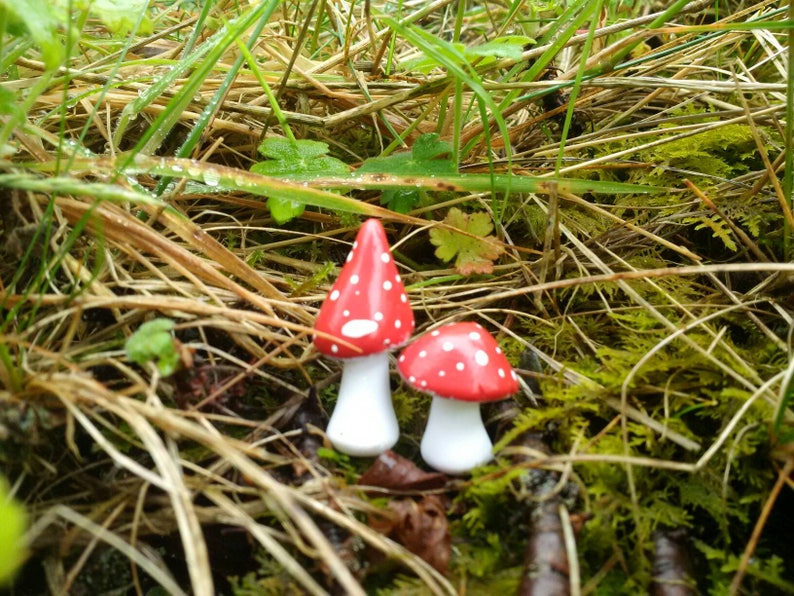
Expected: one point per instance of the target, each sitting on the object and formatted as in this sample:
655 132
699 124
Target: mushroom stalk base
455 439
363 422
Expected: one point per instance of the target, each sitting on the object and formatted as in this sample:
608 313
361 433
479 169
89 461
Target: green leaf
511 46
401 201
424 159
429 157
121 16
8 102
12 532
474 250
428 146
283 210
295 160
42 23
154 341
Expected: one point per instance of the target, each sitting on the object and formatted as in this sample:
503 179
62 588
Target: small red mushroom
366 314
460 365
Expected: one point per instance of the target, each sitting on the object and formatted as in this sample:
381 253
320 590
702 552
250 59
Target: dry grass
97 447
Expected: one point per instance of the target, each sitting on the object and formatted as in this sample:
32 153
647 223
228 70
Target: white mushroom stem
363 422
455 440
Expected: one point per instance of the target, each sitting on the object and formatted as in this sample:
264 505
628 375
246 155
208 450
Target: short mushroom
460 365
365 315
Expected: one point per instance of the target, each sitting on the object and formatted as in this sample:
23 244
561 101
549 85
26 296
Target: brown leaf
395 472
420 526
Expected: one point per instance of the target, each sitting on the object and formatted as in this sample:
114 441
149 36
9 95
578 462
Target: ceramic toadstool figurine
460 365
366 313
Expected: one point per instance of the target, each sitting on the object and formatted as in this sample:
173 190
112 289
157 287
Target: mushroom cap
367 305
458 361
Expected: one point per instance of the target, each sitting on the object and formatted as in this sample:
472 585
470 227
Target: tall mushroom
460 365
365 315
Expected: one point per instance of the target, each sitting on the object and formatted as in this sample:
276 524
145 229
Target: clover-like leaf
295 160
474 250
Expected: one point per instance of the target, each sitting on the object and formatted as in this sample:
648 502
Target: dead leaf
420 526
392 471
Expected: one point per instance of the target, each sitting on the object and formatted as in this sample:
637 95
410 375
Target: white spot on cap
412 379
385 257
434 333
423 354
498 350
359 328
334 348
398 323
345 313
349 257
354 279
403 298
501 373
401 358
474 336
442 373
423 383
378 316
397 278
460 366
513 374
334 295
447 346
387 285
481 358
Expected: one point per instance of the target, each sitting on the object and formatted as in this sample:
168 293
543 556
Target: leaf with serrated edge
297 160
474 251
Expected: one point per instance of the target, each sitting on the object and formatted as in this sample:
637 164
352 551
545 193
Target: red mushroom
460 365
366 313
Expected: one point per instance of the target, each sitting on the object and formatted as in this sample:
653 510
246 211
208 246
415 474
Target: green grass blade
212 106
233 179
152 139
456 64
591 8
72 186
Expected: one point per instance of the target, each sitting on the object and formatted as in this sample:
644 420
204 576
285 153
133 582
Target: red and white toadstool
460 365
366 314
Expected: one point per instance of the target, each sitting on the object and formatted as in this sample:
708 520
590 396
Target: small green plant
475 249
12 531
154 341
429 156
509 46
293 159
